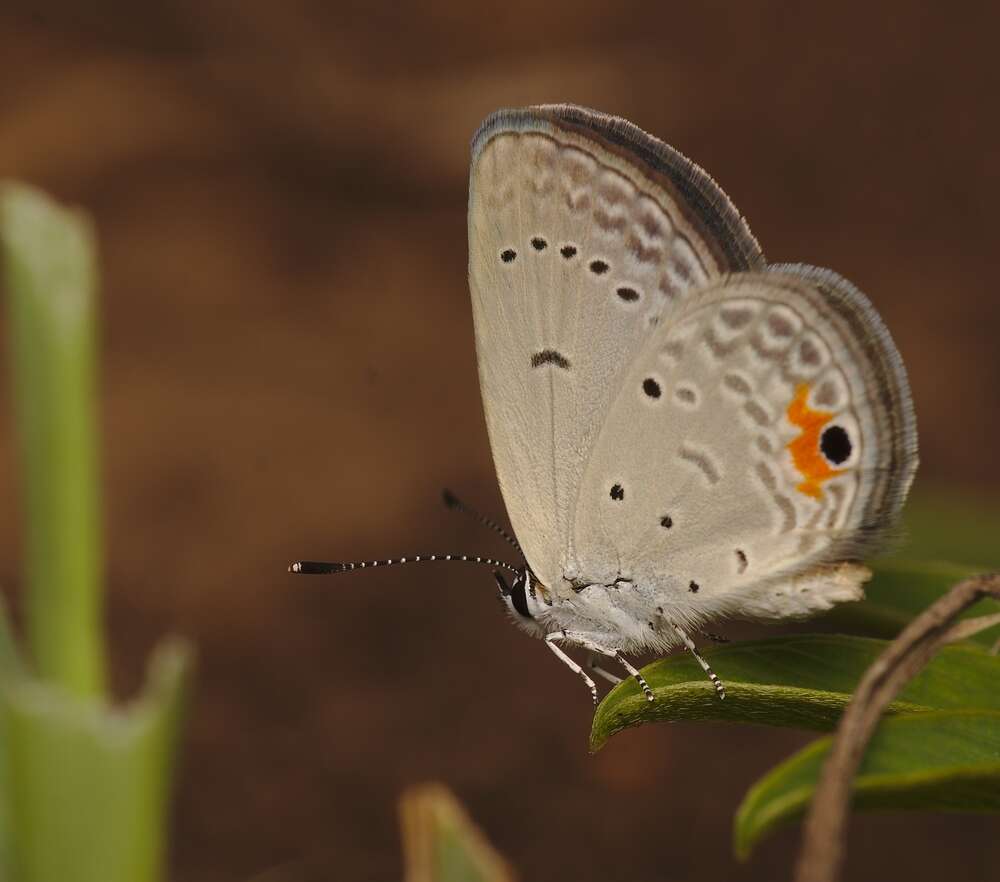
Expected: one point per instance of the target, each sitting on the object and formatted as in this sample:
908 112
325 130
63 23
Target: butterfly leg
566 660
597 669
584 641
689 643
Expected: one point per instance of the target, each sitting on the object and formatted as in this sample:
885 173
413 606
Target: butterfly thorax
636 614
622 613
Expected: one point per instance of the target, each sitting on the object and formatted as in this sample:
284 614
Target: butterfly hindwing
764 430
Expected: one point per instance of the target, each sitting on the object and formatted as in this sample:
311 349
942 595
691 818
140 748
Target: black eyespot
568 251
835 444
539 244
508 255
666 522
599 267
618 492
629 295
651 387
693 587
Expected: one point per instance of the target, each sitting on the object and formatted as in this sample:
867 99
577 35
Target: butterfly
682 432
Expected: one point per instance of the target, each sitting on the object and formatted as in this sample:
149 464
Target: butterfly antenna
456 504
322 568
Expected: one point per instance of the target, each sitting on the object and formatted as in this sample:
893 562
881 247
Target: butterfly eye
836 444
518 598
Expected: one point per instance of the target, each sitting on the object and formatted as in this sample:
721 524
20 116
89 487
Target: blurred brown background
288 370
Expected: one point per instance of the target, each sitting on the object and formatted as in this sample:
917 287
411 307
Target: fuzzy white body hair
636 618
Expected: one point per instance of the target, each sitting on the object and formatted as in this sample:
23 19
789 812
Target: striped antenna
317 568
453 502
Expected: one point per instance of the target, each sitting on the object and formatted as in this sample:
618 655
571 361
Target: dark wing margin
696 191
898 460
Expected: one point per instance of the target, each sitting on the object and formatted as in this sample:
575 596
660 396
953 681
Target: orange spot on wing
805 447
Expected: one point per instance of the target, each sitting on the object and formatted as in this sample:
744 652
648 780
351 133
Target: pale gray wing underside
585 236
764 430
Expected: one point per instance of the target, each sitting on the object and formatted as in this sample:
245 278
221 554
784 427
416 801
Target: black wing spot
651 387
836 444
741 560
550 356
666 522
599 267
568 251
629 295
508 255
539 244
617 492
693 587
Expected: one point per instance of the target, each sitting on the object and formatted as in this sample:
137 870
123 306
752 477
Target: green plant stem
50 276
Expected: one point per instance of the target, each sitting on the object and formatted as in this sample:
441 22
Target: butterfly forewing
585 235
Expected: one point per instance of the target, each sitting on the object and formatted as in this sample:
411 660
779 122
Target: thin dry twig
823 840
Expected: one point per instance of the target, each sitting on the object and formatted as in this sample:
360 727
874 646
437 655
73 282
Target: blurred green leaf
10 656
84 787
945 761
942 525
900 590
50 276
947 539
801 681
441 844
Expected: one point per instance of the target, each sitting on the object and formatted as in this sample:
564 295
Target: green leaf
84 788
945 761
50 275
945 526
441 843
939 527
802 681
900 590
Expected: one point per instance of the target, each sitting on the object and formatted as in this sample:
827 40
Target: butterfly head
525 599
